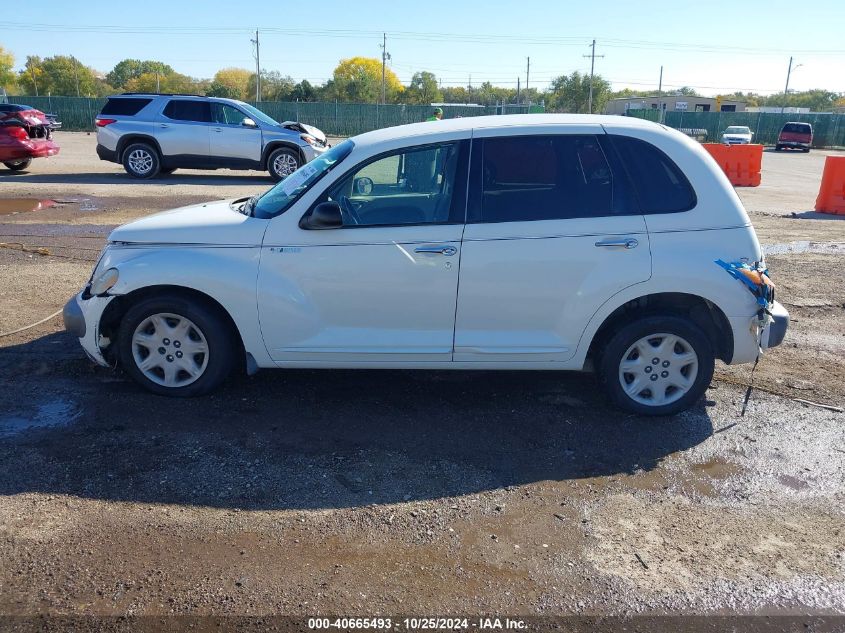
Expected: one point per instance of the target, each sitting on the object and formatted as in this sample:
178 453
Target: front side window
528 178
659 183
188 110
414 186
226 115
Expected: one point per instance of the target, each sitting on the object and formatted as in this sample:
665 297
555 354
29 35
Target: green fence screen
336 119
828 129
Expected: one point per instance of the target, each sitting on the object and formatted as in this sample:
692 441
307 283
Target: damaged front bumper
775 332
82 319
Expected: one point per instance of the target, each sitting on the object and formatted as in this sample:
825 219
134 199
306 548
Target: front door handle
163 125
628 242
448 251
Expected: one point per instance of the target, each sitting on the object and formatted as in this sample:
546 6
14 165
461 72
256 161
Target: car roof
465 124
154 95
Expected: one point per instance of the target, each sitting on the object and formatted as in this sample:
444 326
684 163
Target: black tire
18 165
167 172
205 321
690 339
138 154
806 150
778 148
280 156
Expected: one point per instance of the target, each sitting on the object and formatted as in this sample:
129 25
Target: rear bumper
34 148
106 154
794 144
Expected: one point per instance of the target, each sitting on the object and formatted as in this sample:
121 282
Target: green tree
571 93
818 100
303 91
129 69
423 89
172 82
232 83
359 80
7 75
274 86
59 75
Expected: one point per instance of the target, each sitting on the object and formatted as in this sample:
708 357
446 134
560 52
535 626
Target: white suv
510 242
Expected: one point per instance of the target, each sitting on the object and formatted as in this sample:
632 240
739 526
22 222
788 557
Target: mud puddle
12 206
805 246
53 413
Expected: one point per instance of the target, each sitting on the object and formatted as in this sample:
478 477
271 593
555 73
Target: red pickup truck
25 133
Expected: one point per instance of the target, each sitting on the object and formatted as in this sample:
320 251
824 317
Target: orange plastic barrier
741 163
831 197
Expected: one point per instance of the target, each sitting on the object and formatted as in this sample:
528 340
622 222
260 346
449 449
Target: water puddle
716 469
791 248
53 413
11 206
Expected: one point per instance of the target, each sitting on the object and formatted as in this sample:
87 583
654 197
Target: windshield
278 199
737 129
257 114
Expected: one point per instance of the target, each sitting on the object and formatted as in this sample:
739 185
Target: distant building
778 110
673 103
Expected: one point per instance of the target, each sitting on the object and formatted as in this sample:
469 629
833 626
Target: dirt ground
424 493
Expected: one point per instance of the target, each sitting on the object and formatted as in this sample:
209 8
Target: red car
25 133
795 135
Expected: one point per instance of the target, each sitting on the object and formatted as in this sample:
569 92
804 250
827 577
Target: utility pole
527 74
660 98
384 57
469 98
158 85
592 57
257 68
517 91
76 74
786 89
34 83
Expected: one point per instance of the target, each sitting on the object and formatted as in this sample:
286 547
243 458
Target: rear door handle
448 251
628 242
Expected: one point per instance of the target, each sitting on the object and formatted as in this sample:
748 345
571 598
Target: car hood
211 223
302 128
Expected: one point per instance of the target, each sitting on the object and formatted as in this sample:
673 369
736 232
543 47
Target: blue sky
714 46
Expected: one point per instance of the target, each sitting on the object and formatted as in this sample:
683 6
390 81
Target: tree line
354 80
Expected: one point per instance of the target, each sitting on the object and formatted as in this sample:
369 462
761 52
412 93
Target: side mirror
247 122
325 215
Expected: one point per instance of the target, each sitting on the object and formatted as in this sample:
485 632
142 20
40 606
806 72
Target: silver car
152 134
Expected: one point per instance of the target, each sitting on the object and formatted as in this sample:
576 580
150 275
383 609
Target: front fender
227 274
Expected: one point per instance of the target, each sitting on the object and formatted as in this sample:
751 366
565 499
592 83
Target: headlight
104 282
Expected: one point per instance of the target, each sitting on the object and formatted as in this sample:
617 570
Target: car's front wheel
282 162
657 365
176 346
141 161
18 165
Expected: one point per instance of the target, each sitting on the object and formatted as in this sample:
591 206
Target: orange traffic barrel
741 163
831 198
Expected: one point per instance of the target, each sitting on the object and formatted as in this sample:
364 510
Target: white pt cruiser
531 242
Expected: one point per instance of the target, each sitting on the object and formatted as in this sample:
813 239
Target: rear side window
798 128
659 183
188 110
127 107
527 178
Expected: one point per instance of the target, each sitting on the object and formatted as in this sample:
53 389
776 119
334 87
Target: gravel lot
362 493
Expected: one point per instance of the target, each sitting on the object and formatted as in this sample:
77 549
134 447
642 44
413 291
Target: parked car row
580 242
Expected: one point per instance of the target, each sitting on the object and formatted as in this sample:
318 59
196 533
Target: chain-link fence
828 129
334 118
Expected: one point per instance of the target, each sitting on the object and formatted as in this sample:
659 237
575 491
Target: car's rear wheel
175 346
18 165
283 162
778 148
657 365
141 161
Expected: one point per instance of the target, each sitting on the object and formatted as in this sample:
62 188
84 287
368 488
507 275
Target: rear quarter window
126 107
659 184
